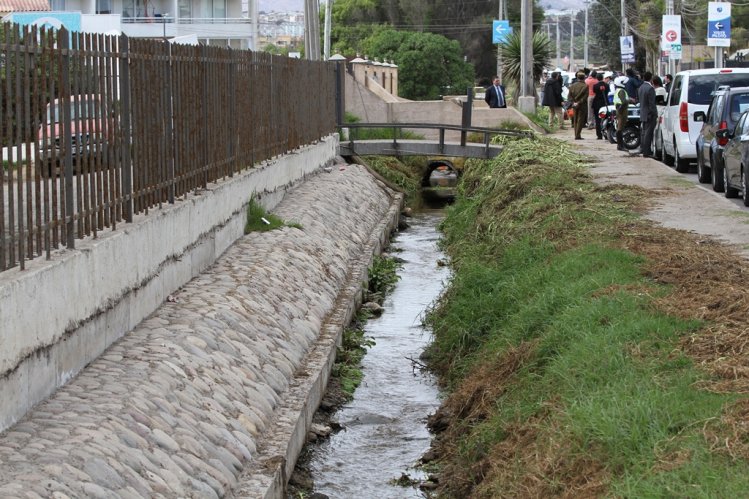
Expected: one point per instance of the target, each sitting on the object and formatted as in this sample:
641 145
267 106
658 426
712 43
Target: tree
429 65
511 60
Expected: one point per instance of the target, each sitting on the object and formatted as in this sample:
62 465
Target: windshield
701 87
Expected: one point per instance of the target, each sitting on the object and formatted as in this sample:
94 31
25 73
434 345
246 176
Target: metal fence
97 128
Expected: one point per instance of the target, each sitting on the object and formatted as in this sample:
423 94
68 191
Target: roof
24 5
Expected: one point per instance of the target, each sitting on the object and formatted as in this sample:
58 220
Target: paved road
180 406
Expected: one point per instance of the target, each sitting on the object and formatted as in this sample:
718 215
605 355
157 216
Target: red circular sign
671 35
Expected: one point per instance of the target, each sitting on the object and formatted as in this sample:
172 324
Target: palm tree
510 52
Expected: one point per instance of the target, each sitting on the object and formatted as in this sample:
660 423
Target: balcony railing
185 20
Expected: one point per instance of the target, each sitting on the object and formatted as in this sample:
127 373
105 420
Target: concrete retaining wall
57 316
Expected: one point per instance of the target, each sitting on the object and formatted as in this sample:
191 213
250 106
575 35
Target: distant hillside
280 5
562 4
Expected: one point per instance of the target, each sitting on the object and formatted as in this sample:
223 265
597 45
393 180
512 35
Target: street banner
627 48
500 30
718 24
671 36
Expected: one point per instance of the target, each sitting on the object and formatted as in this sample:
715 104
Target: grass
680 182
540 118
259 220
565 377
403 173
376 133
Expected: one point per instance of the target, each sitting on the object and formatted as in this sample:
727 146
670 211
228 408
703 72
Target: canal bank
211 396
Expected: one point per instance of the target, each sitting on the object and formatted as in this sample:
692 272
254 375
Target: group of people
589 91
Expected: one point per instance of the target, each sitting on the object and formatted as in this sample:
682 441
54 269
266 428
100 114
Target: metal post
64 42
127 172
559 46
718 54
328 13
467 109
572 43
585 38
624 26
499 55
670 11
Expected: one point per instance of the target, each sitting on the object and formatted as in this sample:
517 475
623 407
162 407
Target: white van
692 91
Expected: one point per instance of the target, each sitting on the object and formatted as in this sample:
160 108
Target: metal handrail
441 127
185 20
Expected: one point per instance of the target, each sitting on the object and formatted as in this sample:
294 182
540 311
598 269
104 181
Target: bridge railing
397 129
97 128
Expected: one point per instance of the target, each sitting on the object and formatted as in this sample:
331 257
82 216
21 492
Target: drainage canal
383 431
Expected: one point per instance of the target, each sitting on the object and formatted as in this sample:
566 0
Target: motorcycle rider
621 104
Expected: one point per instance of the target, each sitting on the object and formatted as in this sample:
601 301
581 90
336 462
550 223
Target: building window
103 6
135 8
57 5
185 9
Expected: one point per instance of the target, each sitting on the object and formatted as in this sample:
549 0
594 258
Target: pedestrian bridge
400 145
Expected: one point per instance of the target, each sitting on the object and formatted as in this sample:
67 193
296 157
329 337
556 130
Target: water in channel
385 431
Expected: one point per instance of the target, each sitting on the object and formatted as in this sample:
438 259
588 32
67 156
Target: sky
281 5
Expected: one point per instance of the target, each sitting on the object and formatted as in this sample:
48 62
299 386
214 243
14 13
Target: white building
214 22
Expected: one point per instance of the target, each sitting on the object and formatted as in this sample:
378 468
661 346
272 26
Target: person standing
553 98
621 104
648 114
495 95
600 99
633 83
667 82
578 94
590 81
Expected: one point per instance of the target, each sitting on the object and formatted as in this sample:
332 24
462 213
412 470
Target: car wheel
745 185
716 175
703 173
631 137
682 165
729 192
668 160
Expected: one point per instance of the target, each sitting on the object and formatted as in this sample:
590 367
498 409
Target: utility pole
718 57
527 100
624 24
499 55
670 11
328 13
559 46
585 39
572 42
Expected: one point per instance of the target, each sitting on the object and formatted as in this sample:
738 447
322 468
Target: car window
675 92
702 86
739 130
716 110
739 104
745 124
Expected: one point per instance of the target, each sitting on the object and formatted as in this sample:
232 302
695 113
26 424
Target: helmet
620 81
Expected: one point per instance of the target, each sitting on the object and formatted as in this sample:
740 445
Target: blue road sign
500 30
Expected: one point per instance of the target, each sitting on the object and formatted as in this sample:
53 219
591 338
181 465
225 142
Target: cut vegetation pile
586 352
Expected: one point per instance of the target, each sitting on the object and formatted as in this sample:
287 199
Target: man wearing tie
495 95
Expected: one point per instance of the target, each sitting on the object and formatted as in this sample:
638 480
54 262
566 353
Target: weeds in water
383 275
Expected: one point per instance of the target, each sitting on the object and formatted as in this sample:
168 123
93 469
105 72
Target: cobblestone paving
176 408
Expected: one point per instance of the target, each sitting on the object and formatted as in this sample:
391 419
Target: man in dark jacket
648 114
632 85
495 94
600 99
553 99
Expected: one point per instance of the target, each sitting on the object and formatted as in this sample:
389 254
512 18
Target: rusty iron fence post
67 138
127 138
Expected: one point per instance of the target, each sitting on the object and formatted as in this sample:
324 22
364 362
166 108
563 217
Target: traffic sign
500 30
718 24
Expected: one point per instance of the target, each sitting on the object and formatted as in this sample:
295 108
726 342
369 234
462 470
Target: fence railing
99 128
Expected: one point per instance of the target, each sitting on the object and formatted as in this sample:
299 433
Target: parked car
86 127
660 103
736 159
691 91
724 111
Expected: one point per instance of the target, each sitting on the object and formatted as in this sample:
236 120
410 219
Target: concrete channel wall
58 315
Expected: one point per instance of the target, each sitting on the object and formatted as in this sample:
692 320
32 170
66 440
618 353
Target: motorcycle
607 114
631 132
